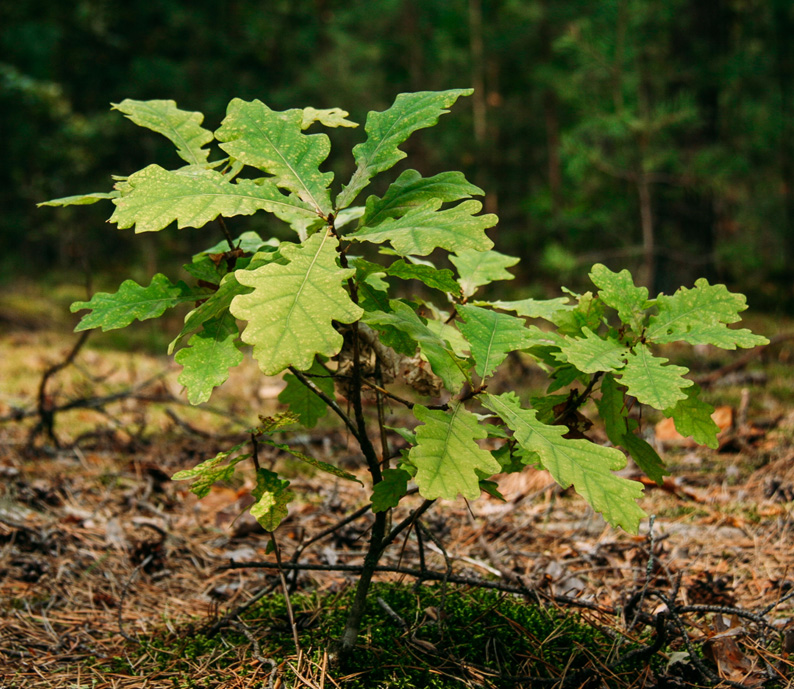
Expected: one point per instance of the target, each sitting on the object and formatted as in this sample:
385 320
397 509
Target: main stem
353 623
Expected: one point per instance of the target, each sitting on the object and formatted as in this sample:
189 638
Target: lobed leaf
211 470
193 197
274 143
692 417
272 496
443 361
181 127
388 492
492 336
646 458
80 199
291 310
547 309
592 353
619 291
478 268
411 190
330 117
651 381
585 465
132 302
700 316
387 130
311 461
446 456
425 228
208 357
304 403
442 279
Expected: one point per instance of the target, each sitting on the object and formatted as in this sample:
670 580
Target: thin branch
227 235
427 575
328 400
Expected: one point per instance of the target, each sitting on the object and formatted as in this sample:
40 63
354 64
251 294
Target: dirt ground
98 546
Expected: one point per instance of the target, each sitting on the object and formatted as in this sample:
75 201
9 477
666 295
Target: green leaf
205 269
316 463
273 142
612 409
492 488
132 302
331 117
272 496
585 465
588 313
442 279
619 291
492 336
193 197
446 456
181 127
718 335
535 308
444 363
647 459
80 199
692 417
426 228
448 332
388 492
250 242
291 310
211 470
593 353
648 379
700 316
302 401
208 357
478 268
387 130
411 190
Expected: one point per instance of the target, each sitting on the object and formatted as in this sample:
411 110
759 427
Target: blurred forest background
650 134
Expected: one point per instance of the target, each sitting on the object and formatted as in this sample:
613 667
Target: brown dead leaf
723 650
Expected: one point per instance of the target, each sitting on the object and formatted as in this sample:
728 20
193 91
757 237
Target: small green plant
328 307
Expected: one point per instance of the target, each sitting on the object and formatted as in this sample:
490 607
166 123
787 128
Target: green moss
492 634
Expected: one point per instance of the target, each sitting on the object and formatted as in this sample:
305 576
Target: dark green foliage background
575 100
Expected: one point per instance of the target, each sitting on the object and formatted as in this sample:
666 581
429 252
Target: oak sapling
322 308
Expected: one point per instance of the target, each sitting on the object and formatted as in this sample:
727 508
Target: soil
98 547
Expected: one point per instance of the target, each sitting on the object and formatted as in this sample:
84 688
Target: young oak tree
313 307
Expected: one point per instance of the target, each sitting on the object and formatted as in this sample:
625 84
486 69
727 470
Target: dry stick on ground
742 361
44 409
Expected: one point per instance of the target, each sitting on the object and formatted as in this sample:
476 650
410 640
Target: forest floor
110 572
